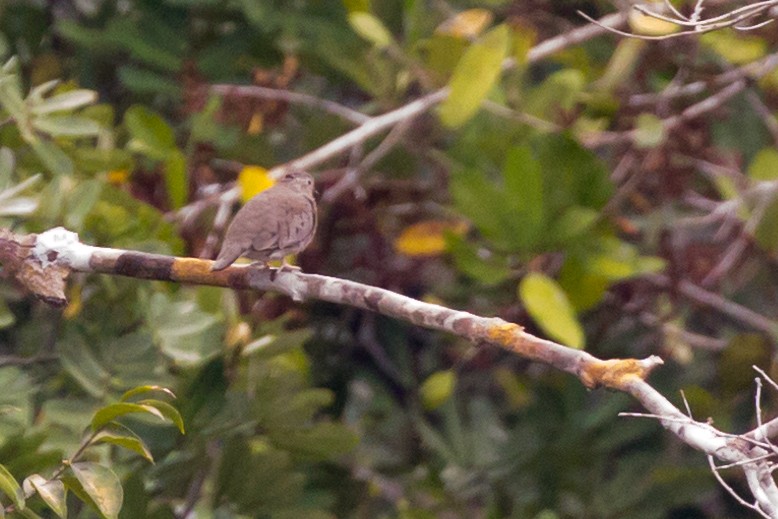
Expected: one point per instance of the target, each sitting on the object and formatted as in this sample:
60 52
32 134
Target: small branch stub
33 268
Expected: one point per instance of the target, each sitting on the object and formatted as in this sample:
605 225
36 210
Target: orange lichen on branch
511 336
614 373
191 269
504 332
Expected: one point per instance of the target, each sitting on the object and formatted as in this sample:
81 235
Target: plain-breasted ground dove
278 221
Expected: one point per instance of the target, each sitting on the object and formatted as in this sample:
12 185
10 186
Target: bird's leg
286 266
259 264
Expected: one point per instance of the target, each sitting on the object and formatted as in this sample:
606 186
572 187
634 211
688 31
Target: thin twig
365 131
291 97
716 301
353 174
755 69
731 491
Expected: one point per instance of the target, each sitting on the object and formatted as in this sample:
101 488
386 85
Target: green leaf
81 201
583 287
11 97
550 308
66 101
766 233
621 65
270 345
101 485
66 126
572 224
765 165
52 492
475 196
143 81
125 439
489 270
38 91
81 363
572 175
7 318
370 28
475 75
11 488
321 442
441 53
176 180
52 156
734 46
13 205
183 331
141 390
437 388
649 131
524 189
558 93
616 260
92 160
150 134
150 40
167 410
7 165
107 414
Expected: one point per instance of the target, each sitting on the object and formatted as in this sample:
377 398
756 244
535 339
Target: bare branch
716 301
731 491
291 97
60 252
695 23
362 133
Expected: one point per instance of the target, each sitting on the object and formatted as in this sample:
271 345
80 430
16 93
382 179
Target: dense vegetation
582 200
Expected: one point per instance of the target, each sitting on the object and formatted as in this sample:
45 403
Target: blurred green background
550 194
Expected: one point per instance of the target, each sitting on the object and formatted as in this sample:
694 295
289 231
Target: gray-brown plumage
277 222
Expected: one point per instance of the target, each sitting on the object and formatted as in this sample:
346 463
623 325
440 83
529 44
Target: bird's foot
285 267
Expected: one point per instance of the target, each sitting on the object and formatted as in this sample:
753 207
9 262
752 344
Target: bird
275 223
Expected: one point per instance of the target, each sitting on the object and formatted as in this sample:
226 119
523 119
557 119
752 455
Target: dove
275 223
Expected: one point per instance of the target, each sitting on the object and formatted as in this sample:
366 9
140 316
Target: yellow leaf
550 308
75 304
648 25
427 238
437 389
356 5
255 124
252 181
524 38
474 76
117 177
467 24
370 28
735 47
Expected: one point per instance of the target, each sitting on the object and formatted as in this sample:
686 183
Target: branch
59 251
360 134
689 113
695 24
291 97
370 126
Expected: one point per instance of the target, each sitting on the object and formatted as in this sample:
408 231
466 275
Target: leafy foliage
546 191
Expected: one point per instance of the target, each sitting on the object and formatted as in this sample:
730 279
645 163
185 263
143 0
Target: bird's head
299 181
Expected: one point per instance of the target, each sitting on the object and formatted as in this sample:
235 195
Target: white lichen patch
61 246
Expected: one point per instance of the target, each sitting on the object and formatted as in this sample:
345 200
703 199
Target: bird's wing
299 222
248 223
